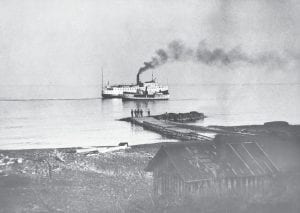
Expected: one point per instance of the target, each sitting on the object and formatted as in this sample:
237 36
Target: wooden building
215 167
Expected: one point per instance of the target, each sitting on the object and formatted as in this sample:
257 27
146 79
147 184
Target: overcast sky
66 42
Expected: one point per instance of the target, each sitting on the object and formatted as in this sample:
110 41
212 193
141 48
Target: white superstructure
117 91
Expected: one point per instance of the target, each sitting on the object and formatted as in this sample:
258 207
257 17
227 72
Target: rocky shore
68 180
61 180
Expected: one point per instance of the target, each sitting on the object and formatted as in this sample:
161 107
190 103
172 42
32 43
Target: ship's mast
102 78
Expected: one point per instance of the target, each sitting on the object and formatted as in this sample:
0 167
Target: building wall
170 184
166 181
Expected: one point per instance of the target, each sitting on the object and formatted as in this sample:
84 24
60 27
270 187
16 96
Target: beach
72 180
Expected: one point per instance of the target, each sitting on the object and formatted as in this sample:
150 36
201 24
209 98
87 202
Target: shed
202 168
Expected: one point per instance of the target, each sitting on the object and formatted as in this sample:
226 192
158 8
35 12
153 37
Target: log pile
181 117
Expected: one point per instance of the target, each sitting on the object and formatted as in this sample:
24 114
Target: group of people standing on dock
137 113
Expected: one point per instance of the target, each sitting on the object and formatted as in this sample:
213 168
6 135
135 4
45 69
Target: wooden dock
175 130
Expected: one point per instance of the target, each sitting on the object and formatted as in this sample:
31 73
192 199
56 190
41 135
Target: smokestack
147 65
138 79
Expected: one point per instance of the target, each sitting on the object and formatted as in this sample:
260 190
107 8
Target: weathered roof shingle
201 161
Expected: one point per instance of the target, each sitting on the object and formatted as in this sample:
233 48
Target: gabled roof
201 161
246 159
193 161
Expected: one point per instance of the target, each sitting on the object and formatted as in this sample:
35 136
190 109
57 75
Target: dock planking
174 130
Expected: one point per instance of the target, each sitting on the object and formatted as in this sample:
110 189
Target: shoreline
63 180
252 127
73 149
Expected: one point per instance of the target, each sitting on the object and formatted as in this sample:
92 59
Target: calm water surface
69 123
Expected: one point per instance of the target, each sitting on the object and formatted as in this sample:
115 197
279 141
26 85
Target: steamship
145 95
139 91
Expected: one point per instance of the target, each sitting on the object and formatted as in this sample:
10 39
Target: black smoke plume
178 51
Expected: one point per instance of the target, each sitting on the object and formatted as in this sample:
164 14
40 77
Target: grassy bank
63 181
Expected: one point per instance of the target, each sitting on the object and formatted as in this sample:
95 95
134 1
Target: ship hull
133 97
107 96
109 93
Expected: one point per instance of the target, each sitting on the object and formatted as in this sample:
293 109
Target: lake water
93 122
